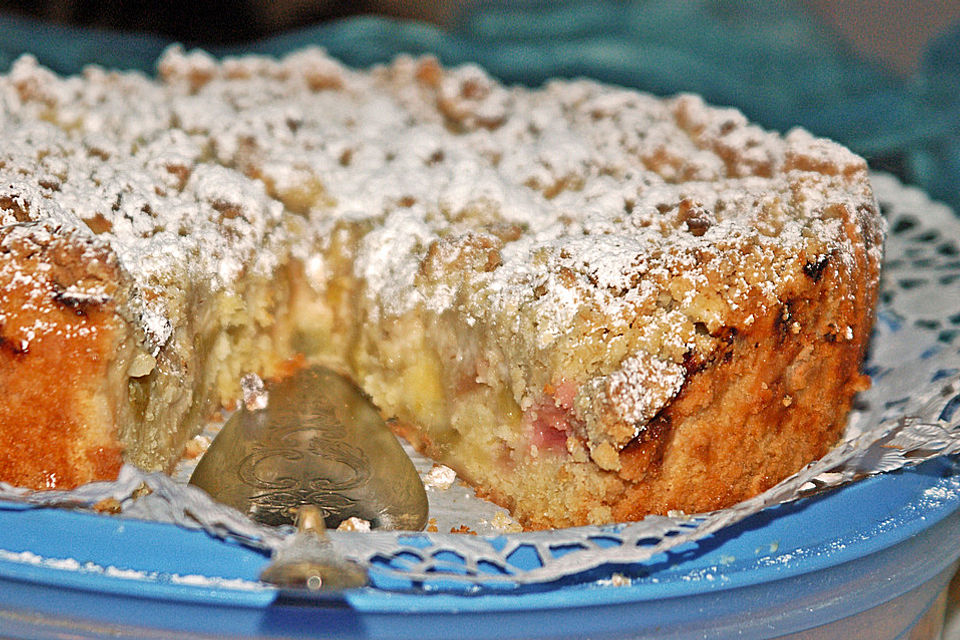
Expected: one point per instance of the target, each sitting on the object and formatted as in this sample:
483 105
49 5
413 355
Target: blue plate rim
911 517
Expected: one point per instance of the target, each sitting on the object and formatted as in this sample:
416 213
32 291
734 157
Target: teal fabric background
772 60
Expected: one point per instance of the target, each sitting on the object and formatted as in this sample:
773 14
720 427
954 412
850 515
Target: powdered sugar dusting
642 385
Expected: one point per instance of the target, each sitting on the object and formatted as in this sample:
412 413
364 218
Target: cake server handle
308 564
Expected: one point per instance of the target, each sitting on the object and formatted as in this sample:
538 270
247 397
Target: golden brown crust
776 398
59 336
755 416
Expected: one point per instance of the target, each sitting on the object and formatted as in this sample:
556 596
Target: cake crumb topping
354 523
440 477
255 394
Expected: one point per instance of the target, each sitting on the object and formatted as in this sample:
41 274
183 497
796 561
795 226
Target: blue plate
876 552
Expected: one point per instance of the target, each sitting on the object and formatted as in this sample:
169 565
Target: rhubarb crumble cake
592 303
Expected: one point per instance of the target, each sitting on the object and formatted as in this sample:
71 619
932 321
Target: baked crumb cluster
518 275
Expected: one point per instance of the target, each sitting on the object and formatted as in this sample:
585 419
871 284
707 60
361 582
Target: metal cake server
316 454
318 441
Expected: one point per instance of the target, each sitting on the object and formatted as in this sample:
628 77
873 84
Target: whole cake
593 303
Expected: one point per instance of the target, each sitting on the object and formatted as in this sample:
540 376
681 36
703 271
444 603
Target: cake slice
592 303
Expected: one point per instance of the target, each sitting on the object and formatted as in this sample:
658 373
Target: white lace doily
911 414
